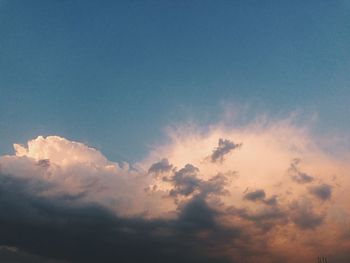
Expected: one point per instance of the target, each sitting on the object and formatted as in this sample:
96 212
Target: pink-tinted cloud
274 191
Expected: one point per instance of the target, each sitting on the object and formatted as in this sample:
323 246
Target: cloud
257 195
264 219
15 255
225 146
271 200
87 232
75 170
297 175
162 166
323 191
66 201
185 181
305 217
60 151
260 196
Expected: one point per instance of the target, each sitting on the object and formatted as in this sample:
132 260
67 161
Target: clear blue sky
114 73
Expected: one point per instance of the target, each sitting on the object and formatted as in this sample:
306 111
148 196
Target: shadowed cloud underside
252 201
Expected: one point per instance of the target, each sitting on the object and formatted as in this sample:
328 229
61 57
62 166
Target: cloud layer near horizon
258 192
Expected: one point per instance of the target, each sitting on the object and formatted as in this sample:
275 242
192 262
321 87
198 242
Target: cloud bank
254 193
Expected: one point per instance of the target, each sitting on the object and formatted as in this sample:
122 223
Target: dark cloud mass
61 229
186 182
259 195
264 219
271 200
323 191
160 167
304 216
225 146
76 232
255 195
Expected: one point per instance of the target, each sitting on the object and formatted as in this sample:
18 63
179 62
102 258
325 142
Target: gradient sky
174 131
113 74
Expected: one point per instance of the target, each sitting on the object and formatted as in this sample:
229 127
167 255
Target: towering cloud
66 202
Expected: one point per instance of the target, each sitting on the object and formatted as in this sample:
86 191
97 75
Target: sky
192 131
102 71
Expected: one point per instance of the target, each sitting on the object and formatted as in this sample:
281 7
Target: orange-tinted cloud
268 185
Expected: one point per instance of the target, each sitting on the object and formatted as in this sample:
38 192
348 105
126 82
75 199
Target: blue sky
115 73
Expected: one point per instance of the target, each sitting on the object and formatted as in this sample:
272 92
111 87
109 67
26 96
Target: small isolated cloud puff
162 166
255 195
323 191
259 195
224 147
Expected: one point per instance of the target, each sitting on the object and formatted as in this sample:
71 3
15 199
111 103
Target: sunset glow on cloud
174 131
267 189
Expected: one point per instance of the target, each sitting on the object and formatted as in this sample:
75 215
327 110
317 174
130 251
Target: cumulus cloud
66 202
77 171
42 228
60 151
185 181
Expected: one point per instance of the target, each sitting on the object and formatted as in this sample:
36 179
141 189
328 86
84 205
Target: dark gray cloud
186 182
64 229
271 200
304 216
257 195
297 175
215 185
224 147
161 167
322 192
264 219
